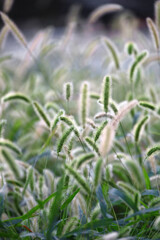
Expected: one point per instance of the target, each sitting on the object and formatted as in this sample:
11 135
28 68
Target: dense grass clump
80 159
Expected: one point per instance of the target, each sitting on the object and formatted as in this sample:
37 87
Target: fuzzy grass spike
16 32
84 158
113 51
154 33
12 163
84 103
98 173
147 105
92 145
10 145
99 130
63 139
138 128
153 150
41 113
3 35
15 96
68 91
157 14
102 10
106 93
79 179
138 61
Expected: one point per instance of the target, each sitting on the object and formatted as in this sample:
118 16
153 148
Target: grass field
80 135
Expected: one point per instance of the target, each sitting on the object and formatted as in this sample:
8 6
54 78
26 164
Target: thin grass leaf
102 10
41 113
54 209
69 199
29 214
147 180
113 51
126 199
10 145
15 96
29 180
98 172
79 179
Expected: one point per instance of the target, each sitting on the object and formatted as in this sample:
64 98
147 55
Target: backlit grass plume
15 31
102 10
108 134
157 14
154 33
7 5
